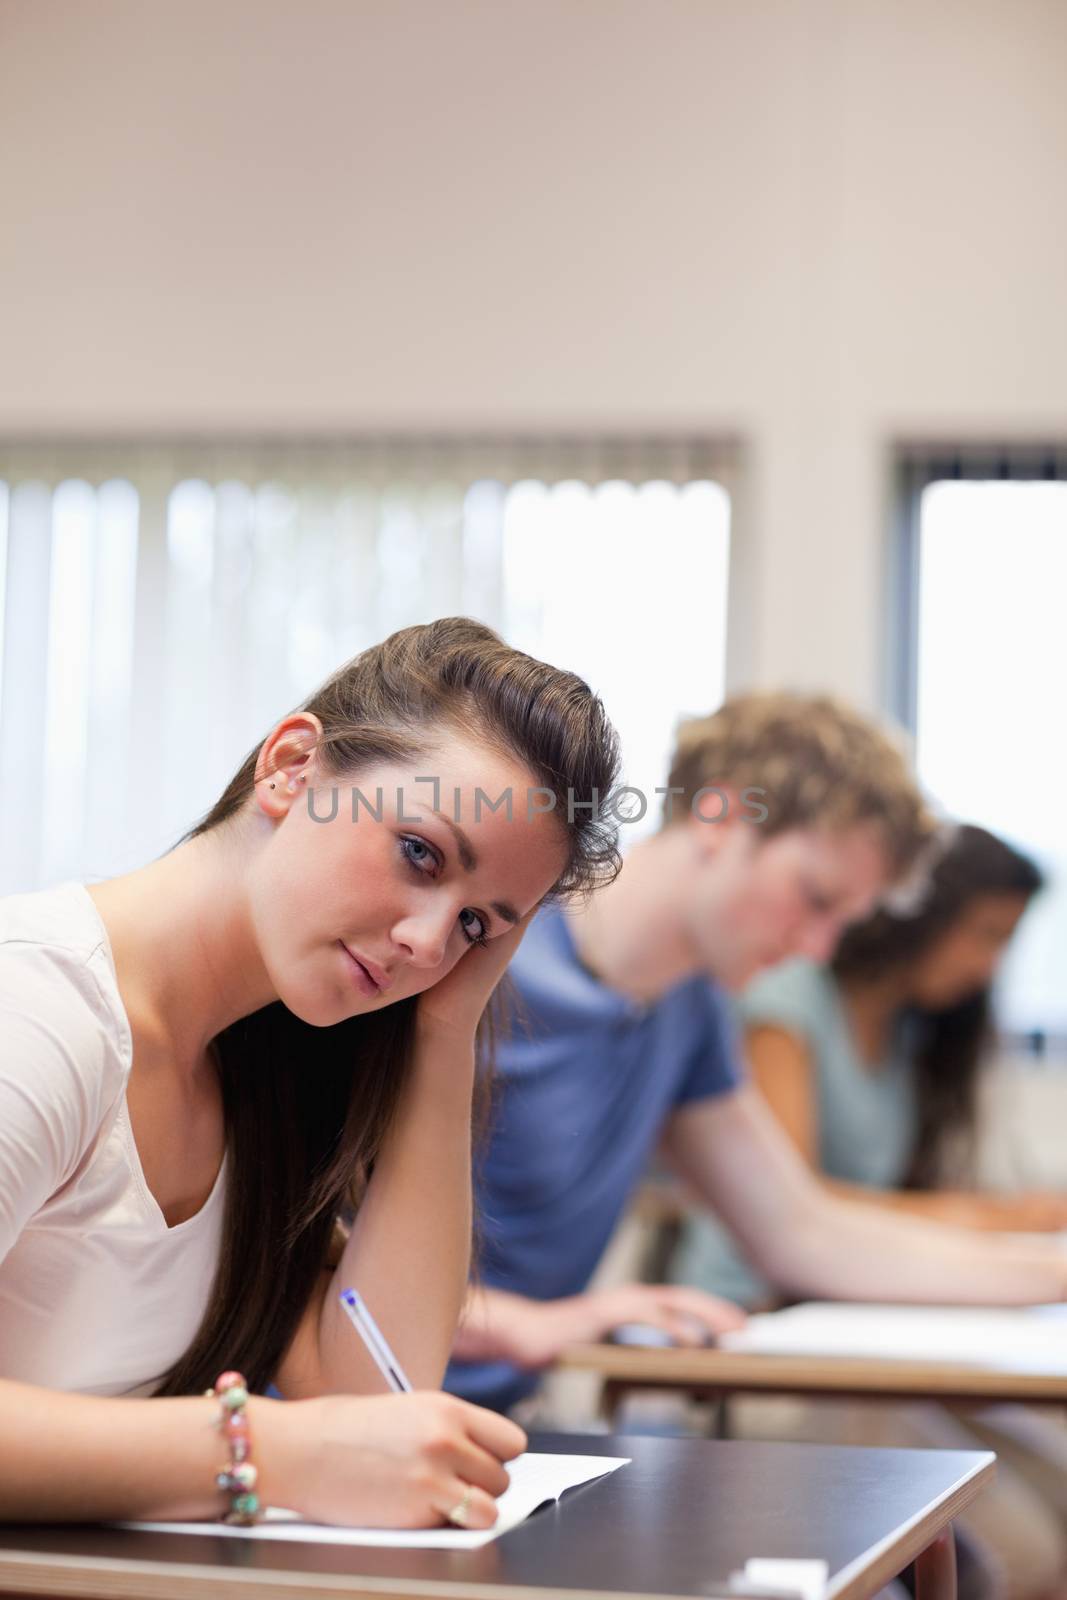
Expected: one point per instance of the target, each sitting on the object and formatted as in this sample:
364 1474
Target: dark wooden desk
675 1523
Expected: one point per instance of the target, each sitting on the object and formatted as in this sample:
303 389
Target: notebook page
535 1478
1023 1339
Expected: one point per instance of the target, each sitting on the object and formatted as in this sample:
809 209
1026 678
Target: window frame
915 467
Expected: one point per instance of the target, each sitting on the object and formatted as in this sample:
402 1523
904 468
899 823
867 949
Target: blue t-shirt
585 1081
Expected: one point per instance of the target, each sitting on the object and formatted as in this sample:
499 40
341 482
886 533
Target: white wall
815 223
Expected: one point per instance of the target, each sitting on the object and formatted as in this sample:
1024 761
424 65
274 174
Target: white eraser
775 1574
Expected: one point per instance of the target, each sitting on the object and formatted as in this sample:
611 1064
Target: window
159 609
987 570
626 585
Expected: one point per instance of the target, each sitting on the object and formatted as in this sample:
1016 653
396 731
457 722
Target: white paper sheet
535 1478
1026 1339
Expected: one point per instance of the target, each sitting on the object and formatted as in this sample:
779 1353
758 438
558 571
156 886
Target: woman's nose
424 939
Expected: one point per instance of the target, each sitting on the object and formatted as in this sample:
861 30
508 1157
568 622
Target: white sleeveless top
97 1294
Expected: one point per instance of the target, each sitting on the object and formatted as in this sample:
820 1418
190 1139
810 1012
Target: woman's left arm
408 1254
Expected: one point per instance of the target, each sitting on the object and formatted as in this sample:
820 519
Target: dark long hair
306 1108
950 1042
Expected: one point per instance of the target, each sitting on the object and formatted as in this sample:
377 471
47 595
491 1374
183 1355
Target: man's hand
533 1333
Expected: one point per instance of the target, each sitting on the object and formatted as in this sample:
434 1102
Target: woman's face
963 961
358 911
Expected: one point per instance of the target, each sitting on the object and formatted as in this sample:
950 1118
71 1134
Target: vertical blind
161 606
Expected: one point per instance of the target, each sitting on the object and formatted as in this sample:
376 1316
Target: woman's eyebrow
468 860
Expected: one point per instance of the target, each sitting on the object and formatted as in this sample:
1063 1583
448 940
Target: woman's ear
286 762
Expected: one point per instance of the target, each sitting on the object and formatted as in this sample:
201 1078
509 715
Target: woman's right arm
784 1072
379 1461
79 1457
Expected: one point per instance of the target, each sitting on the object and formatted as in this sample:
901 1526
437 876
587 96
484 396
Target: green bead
234 1398
246 1504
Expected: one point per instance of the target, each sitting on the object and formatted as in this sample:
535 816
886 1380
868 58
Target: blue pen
374 1339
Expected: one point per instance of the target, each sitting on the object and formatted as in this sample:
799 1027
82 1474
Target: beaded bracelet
238 1477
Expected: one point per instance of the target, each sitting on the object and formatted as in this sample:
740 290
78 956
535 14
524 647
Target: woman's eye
472 925
419 854
423 859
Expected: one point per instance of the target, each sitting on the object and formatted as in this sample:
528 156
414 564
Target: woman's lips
370 979
361 977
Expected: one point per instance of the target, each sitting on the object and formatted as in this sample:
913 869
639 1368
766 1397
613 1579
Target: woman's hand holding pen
389 1461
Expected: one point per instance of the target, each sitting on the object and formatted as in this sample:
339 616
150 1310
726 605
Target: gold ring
458 1514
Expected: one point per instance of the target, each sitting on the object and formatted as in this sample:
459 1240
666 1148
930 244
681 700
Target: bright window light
992 663
155 623
625 584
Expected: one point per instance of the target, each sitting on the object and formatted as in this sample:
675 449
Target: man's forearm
964 1208
736 1158
842 1249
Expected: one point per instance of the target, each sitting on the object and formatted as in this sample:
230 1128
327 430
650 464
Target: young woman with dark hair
205 1063
930 974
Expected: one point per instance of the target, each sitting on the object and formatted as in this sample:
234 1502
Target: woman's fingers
478 1466
458 1000
500 1437
464 1505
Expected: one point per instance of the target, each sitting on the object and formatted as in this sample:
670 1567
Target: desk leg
723 1429
935 1568
612 1394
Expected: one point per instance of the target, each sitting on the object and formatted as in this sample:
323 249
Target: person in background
788 817
871 1063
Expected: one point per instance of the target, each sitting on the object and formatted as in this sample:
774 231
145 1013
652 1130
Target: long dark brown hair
306 1108
949 1043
